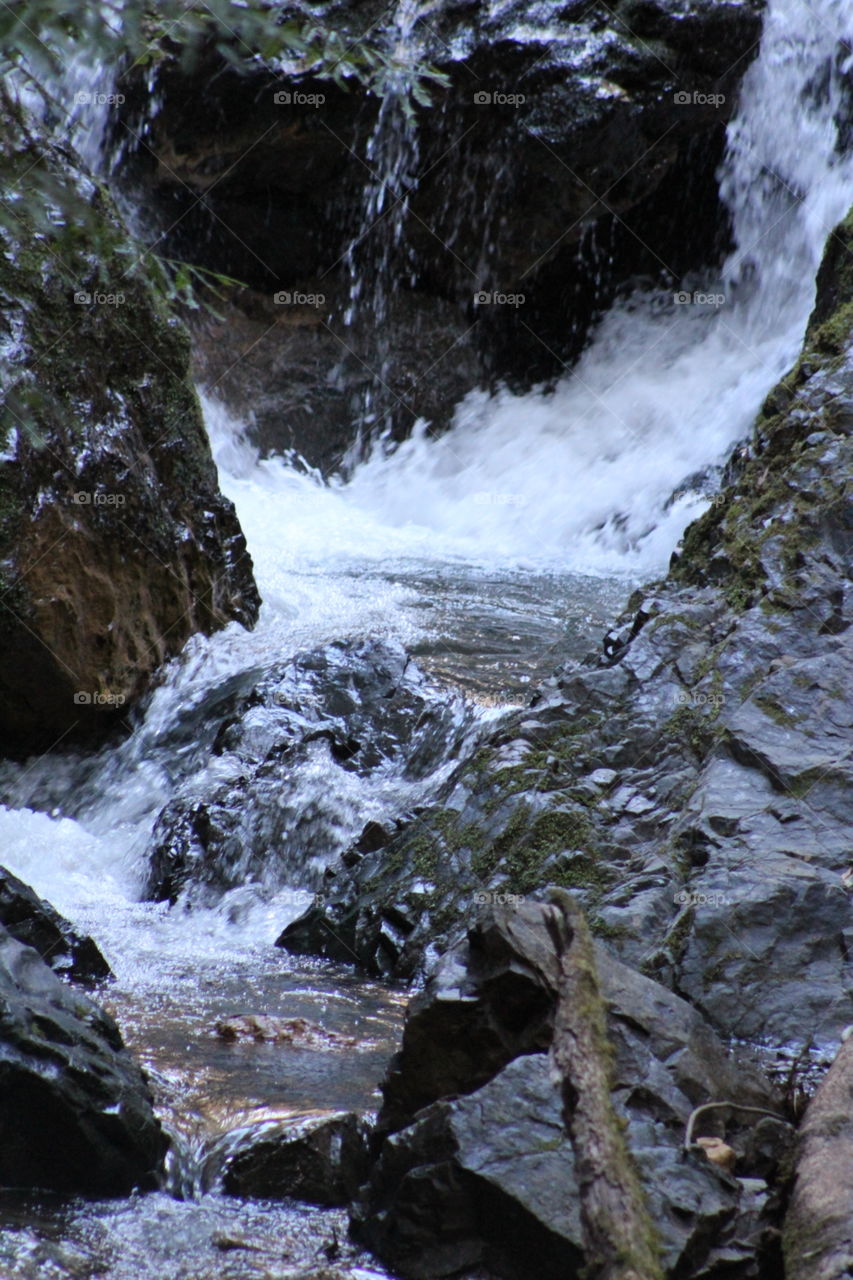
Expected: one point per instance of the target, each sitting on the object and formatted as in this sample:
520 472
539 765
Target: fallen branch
818 1232
619 1238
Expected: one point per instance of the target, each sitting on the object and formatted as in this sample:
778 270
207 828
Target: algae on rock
115 542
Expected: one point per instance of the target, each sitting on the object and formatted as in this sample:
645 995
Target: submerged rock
75 1111
37 924
473 1165
264 1029
115 542
320 1158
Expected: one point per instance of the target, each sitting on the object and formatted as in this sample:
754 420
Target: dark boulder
75 1111
115 542
473 1166
37 924
318 1158
270 811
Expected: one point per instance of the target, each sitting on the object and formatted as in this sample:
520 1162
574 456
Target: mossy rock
115 542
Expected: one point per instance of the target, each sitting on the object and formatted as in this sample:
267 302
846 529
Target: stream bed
78 826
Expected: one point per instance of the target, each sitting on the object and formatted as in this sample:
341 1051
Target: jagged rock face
693 785
115 542
37 924
473 1165
75 1112
584 167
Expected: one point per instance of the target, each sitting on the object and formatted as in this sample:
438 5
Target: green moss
608 932
672 620
687 724
522 849
833 336
776 713
676 939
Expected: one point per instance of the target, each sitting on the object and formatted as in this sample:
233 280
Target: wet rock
75 1111
818 1240
319 1158
490 998
579 145
482 1181
264 1029
115 542
258 353
37 924
693 789
768 1148
269 811
473 1167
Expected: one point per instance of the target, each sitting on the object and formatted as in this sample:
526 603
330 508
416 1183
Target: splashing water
583 477
377 259
578 481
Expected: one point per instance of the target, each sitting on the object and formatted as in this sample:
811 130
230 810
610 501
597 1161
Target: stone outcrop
473 1166
37 924
819 1222
75 1111
115 542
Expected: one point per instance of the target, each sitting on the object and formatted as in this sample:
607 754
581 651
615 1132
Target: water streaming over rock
449 547
584 476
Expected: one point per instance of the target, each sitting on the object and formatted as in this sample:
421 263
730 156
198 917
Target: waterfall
584 476
377 259
488 528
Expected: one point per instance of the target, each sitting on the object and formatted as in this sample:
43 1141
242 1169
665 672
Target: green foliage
38 37
186 285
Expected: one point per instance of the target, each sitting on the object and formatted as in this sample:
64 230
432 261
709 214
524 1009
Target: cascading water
517 527
666 386
376 259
